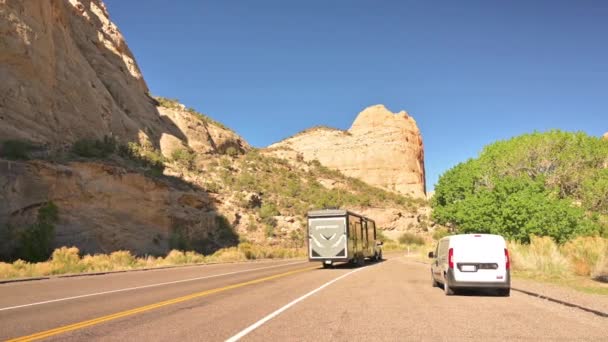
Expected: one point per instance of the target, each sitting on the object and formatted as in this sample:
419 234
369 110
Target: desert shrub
145 156
440 233
123 259
92 148
184 158
267 213
269 231
585 254
212 187
380 236
178 240
541 256
36 240
16 149
176 257
66 260
411 239
224 232
231 151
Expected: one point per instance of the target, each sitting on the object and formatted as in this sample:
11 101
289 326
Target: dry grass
67 260
543 258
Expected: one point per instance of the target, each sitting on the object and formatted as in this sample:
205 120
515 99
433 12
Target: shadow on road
352 266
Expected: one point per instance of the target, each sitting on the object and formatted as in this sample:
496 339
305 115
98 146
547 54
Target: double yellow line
99 320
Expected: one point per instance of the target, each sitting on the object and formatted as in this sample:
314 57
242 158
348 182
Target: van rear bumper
505 284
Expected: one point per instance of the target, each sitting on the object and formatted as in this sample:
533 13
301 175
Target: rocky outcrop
103 208
67 73
606 136
381 148
200 135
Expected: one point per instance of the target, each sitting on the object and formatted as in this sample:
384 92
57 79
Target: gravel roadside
586 300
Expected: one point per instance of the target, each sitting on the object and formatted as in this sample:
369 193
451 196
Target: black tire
327 265
447 289
434 282
361 261
504 292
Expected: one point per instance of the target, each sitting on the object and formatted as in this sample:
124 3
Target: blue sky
469 72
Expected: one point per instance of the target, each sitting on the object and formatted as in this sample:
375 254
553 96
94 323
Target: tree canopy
549 184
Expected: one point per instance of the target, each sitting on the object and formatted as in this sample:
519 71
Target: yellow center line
95 321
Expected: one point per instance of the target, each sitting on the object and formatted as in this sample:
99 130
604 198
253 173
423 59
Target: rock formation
102 207
381 148
606 135
67 73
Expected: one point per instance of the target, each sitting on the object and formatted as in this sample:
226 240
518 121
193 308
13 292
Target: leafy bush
411 239
267 213
91 148
144 155
527 186
16 149
35 241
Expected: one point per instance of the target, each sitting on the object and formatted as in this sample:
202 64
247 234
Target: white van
471 261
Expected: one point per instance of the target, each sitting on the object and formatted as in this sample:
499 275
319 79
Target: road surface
280 301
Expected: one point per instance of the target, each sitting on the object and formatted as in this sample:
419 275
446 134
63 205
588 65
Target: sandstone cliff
67 73
381 148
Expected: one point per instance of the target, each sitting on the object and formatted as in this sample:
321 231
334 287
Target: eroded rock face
102 208
67 73
381 148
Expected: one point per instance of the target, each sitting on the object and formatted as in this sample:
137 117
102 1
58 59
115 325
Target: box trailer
341 236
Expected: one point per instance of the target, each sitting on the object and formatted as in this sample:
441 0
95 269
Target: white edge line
145 286
292 303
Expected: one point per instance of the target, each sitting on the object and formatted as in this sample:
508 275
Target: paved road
281 301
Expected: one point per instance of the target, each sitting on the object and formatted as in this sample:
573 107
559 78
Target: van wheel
434 282
447 289
504 292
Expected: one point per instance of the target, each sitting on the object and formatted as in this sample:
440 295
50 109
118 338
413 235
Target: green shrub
184 158
91 148
267 213
35 242
232 151
145 156
411 239
16 149
225 231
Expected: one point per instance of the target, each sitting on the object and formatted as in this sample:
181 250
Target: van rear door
479 258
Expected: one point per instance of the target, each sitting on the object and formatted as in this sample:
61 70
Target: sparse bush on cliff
92 148
144 155
184 157
16 149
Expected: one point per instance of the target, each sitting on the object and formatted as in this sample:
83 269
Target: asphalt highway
282 301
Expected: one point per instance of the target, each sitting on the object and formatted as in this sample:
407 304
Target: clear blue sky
469 72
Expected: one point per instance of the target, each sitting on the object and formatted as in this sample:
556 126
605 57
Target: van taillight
451 257
508 265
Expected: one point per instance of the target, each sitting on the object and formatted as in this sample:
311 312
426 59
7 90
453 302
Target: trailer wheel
361 261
